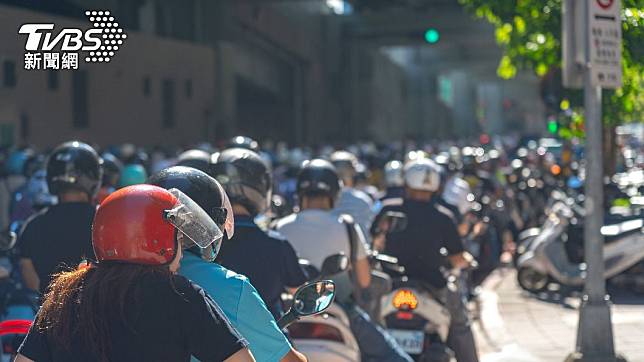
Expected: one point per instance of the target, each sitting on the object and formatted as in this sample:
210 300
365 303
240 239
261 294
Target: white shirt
357 204
316 234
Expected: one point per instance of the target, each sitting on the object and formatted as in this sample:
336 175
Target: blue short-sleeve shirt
241 304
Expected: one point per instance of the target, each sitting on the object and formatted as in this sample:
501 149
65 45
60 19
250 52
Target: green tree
529 32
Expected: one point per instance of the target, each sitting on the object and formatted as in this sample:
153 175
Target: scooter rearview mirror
311 271
310 299
334 264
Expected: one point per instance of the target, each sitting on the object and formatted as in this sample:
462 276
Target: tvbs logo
72 39
60 47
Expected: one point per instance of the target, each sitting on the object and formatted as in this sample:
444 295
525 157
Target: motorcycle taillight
312 330
405 299
15 326
407 316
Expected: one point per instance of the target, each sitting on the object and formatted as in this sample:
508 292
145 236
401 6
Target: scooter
412 312
17 313
18 305
327 336
418 320
548 257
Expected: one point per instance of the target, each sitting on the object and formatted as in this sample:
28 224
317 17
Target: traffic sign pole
595 331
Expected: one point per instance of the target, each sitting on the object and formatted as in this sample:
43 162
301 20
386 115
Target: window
52 80
189 88
80 114
147 86
167 103
9 70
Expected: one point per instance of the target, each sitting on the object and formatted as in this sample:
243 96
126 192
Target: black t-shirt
418 246
267 259
58 237
167 321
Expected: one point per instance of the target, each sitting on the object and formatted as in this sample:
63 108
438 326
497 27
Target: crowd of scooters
512 204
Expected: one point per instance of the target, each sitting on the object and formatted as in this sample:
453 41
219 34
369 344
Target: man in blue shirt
241 304
233 292
266 258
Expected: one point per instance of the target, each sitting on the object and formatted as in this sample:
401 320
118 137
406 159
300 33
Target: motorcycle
418 320
327 336
18 305
556 253
411 311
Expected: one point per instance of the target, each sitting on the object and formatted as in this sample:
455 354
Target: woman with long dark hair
131 305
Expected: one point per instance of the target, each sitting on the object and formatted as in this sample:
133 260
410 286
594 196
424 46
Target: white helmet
456 194
422 174
394 174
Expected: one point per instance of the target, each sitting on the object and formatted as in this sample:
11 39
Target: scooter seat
616 232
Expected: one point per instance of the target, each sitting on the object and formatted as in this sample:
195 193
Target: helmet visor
229 224
192 221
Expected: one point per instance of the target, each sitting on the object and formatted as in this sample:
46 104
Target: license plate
410 341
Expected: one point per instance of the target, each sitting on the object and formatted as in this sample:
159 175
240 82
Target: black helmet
74 166
199 186
195 158
243 142
206 192
112 168
318 177
245 176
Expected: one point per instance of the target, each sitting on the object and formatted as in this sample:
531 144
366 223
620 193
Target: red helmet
130 226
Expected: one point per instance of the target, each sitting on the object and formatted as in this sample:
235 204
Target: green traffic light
553 127
432 36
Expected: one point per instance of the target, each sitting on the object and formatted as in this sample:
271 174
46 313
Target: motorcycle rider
195 158
394 182
11 181
112 168
317 232
132 174
361 182
33 195
266 258
455 196
131 305
233 292
351 200
418 247
74 172
243 142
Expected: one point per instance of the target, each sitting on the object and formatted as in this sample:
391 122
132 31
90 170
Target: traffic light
553 126
432 36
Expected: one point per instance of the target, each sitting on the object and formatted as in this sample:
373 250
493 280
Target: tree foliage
529 32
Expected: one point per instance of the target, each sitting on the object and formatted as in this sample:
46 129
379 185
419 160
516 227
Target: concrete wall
388 105
118 109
